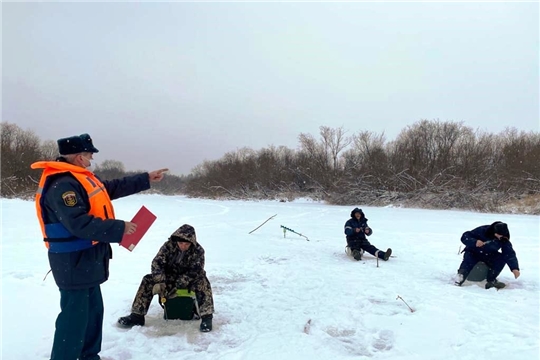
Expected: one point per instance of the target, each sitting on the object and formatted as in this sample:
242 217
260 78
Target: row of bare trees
20 148
430 164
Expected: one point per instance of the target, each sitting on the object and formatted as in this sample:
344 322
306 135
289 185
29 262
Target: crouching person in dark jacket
356 229
483 244
179 264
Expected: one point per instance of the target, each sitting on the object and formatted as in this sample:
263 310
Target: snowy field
267 287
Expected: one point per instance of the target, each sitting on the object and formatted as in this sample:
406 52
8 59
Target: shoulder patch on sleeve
69 197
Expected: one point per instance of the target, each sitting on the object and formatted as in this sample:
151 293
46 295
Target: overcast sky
173 84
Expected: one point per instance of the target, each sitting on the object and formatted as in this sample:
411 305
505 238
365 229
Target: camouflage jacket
181 268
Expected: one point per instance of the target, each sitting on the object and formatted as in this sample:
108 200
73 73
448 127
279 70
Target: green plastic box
181 307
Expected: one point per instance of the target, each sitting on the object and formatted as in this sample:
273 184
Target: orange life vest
100 202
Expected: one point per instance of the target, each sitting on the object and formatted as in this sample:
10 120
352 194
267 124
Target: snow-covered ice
267 286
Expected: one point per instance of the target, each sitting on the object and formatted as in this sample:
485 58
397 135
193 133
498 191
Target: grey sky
173 84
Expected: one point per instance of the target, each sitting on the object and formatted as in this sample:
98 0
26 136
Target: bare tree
110 169
49 150
334 141
519 163
320 160
19 149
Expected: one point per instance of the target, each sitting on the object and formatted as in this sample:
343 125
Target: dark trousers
366 246
495 262
79 325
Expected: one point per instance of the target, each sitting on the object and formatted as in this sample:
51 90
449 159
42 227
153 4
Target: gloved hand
159 289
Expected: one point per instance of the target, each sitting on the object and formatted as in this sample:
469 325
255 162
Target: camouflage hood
184 233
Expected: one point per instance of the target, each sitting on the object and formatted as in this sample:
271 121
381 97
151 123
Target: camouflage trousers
202 288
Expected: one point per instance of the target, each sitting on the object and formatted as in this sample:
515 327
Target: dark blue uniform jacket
492 245
88 267
356 238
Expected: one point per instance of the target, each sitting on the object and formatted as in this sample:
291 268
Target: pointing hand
157 175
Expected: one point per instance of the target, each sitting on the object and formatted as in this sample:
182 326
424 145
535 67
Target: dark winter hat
357 210
185 233
501 229
76 144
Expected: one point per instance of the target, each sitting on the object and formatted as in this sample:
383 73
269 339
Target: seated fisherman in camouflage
356 229
179 264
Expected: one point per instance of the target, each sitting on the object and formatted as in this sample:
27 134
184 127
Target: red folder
144 219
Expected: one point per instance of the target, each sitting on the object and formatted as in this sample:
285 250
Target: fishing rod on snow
285 229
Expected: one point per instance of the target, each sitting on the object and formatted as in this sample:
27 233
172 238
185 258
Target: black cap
502 229
76 144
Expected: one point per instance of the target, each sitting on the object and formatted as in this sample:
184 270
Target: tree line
19 148
431 164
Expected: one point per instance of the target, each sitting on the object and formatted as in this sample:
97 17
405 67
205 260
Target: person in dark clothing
179 264
356 229
77 220
483 244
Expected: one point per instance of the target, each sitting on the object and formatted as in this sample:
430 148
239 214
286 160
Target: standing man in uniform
77 220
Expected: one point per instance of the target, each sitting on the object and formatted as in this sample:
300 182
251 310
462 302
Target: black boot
206 323
131 320
495 283
387 254
357 255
